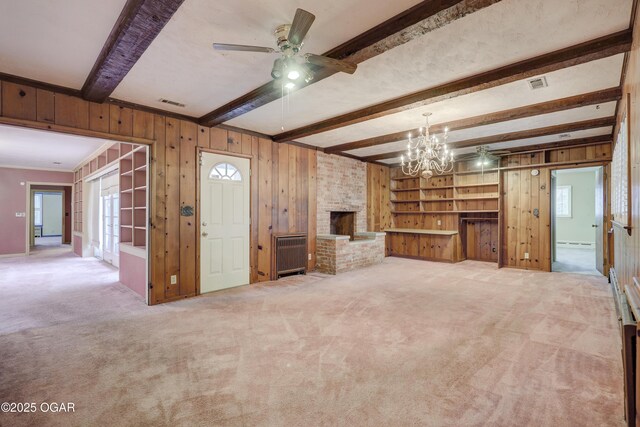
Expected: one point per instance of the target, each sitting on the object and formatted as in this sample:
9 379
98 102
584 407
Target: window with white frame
225 171
563 201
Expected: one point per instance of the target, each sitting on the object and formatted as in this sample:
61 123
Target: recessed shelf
485 184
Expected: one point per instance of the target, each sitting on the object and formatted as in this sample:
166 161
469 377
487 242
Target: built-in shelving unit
133 196
77 200
132 164
456 203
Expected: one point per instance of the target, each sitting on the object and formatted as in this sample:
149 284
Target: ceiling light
293 74
426 154
289 85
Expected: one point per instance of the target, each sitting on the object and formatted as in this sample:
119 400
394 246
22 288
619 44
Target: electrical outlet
439 222
174 279
20 215
309 257
526 255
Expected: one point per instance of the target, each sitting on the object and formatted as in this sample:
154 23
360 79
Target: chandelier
426 154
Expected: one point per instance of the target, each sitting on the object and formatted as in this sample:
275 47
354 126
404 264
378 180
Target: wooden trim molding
137 26
599 48
410 24
568 103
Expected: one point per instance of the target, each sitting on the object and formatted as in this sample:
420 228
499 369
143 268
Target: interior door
599 221
224 221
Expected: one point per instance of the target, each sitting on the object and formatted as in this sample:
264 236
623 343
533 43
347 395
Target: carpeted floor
403 343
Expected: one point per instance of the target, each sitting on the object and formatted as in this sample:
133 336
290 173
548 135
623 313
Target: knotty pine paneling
173 177
626 253
378 194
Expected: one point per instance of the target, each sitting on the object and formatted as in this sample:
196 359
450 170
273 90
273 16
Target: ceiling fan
292 68
484 157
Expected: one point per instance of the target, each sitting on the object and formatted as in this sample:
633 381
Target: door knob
204 224
594 225
205 234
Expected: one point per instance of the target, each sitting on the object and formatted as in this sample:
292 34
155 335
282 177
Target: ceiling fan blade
300 26
243 48
336 64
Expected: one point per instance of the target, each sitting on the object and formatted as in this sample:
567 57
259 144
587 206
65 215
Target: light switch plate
526 255
309 257
174 279
20 215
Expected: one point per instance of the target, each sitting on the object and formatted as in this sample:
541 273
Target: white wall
578 228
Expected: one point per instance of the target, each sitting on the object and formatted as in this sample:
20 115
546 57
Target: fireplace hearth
343 223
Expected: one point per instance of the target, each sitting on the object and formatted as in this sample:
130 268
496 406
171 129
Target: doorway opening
576 219
50 217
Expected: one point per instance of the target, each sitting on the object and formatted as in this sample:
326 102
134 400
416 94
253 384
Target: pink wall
13 197
133 274
77 245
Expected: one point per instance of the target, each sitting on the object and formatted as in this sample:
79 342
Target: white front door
224 222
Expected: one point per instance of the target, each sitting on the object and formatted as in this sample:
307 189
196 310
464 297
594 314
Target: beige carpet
403 343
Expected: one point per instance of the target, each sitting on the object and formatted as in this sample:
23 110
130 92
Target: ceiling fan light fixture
293 74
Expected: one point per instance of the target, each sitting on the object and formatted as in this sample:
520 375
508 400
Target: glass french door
110 228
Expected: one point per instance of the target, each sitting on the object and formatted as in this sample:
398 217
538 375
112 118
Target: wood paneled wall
627 248
524 231
283 179
525 208
378 205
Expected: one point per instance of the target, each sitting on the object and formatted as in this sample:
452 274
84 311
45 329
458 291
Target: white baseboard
576 245
13 255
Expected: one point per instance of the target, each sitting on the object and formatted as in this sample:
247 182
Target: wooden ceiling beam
599 48
414 22
568 103
513 136
137 26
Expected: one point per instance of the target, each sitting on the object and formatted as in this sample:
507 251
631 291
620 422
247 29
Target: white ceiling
55 41
28 148
543 120
181 65
501 34
60 41
584 78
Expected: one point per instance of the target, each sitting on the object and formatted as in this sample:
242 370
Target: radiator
290 254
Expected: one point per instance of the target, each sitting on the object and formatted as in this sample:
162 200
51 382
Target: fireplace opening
343 224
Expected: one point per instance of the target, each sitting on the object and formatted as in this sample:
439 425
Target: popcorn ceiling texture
341 186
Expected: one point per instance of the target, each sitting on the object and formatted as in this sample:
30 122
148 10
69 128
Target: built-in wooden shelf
484 184
133 196
465 202
421 231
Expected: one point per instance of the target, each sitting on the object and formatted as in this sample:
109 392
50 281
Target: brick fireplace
343 242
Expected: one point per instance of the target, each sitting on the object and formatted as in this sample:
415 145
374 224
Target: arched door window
225 171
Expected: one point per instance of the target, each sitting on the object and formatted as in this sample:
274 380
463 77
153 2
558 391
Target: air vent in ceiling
564 136
538 83
174 103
